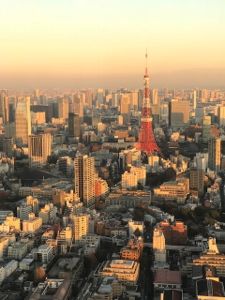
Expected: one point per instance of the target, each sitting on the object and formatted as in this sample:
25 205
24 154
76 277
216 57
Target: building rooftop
64 264
172 295
167 276
208 287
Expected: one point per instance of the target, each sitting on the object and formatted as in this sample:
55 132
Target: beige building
129 180
65 236
4 106
154 97
32 224
141 174
13 223
124 103
84 169
173 190
214 150
135 175
22 120
4 242
159 245
63 108
126 271
81 226
221 115
212 259
40 147
135 226
77 105
60 197
179 113
38 118
34 203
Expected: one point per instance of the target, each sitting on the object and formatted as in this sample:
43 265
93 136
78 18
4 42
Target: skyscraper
4 106
154 97
84 169
124 103
77 106
22 120
39 147
74 125
221 115
179 113
206 128
63 108
147 141
194 99
214 150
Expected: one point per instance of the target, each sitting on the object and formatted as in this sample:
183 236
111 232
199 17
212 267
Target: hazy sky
90 43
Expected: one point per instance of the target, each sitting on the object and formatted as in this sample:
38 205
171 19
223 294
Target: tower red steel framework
146 141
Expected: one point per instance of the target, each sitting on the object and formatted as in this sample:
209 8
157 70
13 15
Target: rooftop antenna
146 61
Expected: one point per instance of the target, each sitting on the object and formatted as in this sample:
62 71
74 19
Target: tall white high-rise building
84 169
39 147
22 120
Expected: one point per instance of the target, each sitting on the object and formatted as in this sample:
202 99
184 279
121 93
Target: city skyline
97 44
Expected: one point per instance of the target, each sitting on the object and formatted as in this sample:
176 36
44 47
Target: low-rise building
13 223
126 271
101 187
110 288
210 289
52 289
91 243
135 227
8 269
48 214
4 242
32 224
175 233
173 190
17 250
67 267
167 279
44 253
133 250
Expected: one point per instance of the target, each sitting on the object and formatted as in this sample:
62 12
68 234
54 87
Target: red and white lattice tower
146 141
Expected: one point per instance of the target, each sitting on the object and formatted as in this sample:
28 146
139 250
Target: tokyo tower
146 141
